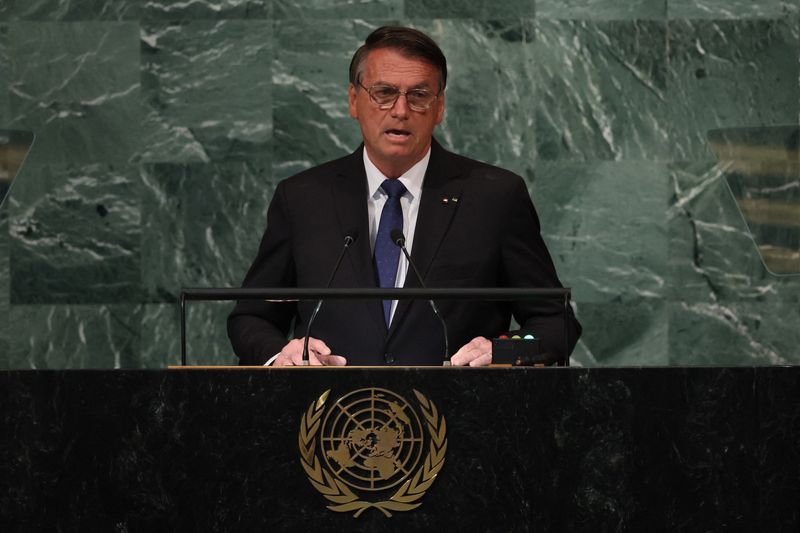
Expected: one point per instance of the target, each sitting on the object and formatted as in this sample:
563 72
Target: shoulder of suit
472 169
321 173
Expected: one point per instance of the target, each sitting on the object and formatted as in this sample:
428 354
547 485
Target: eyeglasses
385 97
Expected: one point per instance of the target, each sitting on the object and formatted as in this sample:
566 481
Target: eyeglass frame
400 93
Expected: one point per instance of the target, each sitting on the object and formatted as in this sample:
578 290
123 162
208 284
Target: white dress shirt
412 180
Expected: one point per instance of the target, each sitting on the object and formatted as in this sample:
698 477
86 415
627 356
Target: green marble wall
163 128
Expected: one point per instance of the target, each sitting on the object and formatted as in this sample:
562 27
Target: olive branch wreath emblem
342 498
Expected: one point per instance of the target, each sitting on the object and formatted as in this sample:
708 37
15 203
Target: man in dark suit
467 224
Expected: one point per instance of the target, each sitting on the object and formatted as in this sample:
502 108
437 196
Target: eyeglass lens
386 95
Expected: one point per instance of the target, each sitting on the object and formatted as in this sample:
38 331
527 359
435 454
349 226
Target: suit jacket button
389 358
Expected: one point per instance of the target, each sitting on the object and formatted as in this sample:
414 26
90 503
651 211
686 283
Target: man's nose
400 108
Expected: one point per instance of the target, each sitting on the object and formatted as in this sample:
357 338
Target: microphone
400 240
349 239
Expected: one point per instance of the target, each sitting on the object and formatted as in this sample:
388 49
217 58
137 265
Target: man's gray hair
408 42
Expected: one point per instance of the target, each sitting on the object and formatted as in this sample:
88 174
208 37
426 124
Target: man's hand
318 354
477 352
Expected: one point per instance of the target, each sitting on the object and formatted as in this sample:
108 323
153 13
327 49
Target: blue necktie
387 253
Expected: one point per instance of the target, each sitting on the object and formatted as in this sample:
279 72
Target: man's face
398 137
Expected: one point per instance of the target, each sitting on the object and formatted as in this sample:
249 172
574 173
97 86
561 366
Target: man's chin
396 155
395 152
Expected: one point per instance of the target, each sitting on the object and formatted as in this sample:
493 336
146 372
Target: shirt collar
412 179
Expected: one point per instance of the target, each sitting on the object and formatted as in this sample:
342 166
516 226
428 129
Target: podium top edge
295 294
320 367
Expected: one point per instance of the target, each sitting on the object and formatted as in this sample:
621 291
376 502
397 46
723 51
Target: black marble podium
554 449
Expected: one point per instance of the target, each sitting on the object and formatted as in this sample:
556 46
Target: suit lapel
349 194
436 212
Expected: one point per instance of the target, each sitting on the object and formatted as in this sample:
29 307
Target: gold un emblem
371 449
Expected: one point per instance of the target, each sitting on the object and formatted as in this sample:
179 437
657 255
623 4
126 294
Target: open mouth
398 134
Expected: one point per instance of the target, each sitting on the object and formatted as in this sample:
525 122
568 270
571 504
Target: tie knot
393 188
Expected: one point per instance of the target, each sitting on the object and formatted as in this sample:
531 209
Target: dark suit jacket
488 238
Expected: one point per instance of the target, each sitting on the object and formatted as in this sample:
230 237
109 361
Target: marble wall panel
601 9
729 73
70 10
76 86
206 335
712 255
5 76
630 333
201 225
206 88
731 9
74 336
309 90
206 9
4 244
4 284
601 90
336 9
473 9
489 100
724 304
75 234
586 99
734 333
583 210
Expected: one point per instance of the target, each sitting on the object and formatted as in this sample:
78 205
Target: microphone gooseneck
349 239
400 240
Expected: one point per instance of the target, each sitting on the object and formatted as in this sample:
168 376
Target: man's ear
351 97
440 108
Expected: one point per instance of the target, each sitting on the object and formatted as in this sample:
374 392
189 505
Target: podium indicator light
529 337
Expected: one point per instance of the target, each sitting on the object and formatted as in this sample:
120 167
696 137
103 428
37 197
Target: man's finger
297 358
332 360
483 360
318 359
464 356
318 346
313 359
479 347
457 358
